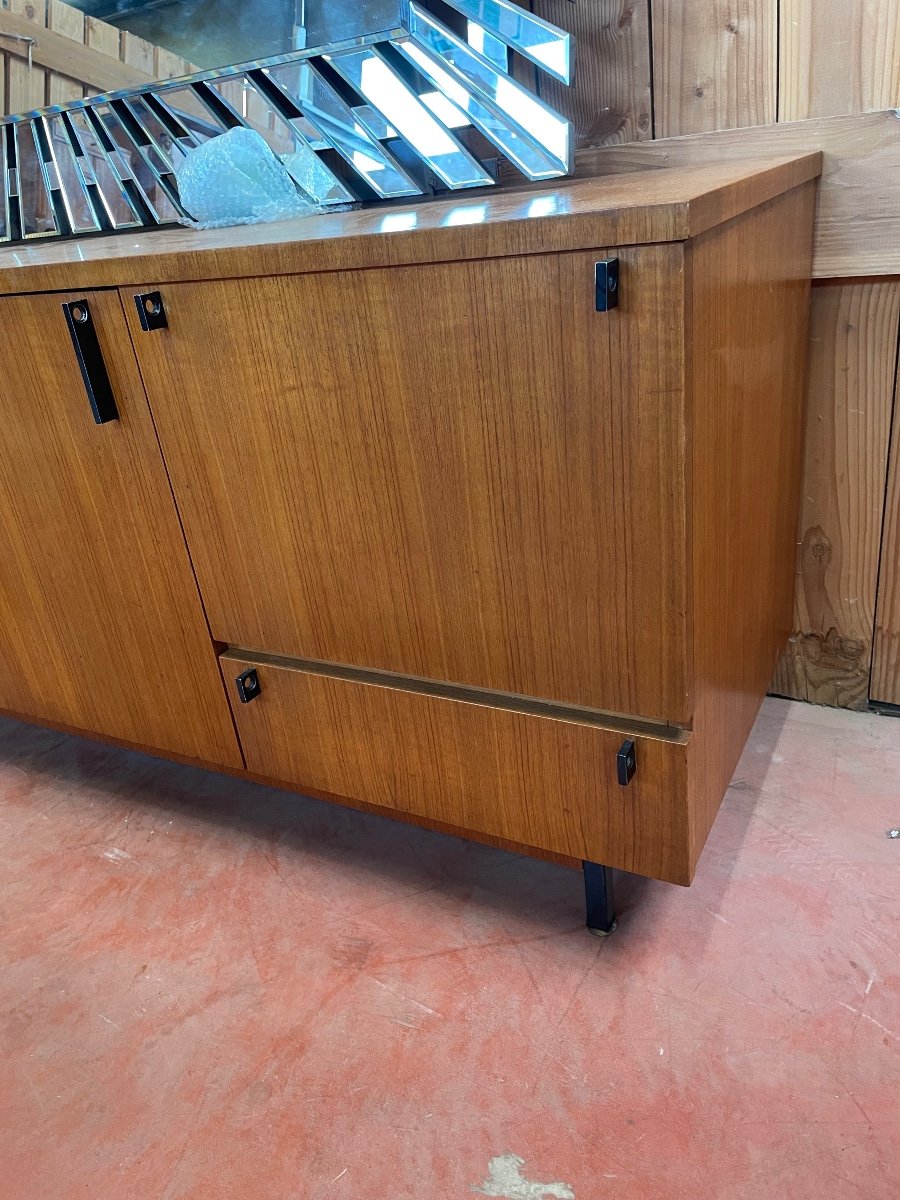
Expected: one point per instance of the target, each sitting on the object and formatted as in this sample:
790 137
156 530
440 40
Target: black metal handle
90 360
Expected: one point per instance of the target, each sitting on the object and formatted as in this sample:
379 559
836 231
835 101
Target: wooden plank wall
74 55
725 65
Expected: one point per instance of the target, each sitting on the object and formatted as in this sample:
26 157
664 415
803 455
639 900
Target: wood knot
698 90
732 26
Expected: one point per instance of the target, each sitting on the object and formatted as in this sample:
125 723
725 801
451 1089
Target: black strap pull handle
90 360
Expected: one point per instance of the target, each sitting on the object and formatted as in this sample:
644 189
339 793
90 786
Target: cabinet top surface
658 205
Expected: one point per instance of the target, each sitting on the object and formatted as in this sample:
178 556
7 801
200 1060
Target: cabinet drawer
529 777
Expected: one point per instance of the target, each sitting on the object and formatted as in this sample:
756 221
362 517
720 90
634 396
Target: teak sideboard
481 512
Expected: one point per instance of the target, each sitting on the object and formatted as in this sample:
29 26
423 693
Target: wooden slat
169 65
98 70
138 52
99 35
714 64
610 100
27 84
69 21
885 684
838 56
858 219
851 387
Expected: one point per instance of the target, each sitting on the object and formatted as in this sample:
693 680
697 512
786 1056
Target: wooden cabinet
101 627
473 547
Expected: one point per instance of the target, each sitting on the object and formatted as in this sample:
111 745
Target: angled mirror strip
337 125
429 138
522 111
544 44
519 147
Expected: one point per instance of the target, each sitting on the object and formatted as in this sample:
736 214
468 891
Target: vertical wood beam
27 85
838 57
851 388
714 64
69 21
885 684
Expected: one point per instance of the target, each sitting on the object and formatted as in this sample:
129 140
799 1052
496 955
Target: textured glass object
380 84
288 142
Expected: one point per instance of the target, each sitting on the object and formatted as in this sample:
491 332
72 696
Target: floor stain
505 1180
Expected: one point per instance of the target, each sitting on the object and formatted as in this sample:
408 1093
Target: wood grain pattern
469 486
838 56
853 350
97 68
101 625
858 216
524 778
714 64
27 83
885 680
68 21
653 206
139 53
610 100
100 35
748 309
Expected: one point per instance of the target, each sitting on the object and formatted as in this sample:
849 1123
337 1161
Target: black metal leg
598 895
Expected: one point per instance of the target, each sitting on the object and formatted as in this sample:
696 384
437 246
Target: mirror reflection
216 33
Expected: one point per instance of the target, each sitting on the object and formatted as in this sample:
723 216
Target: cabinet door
101 627
457 471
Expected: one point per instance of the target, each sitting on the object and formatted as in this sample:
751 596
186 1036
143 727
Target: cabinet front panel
536 780
459 471
101 627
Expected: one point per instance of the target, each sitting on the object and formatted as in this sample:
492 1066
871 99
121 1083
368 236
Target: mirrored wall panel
362 102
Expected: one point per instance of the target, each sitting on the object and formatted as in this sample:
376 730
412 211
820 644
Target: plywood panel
838 56
885 684
853 347
714 64
610 100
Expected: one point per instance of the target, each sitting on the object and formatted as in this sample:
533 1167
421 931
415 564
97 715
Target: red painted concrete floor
213 990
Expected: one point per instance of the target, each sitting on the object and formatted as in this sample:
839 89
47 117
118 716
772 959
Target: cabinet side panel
748 311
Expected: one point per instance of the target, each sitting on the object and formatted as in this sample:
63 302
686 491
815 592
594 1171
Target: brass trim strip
467 694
